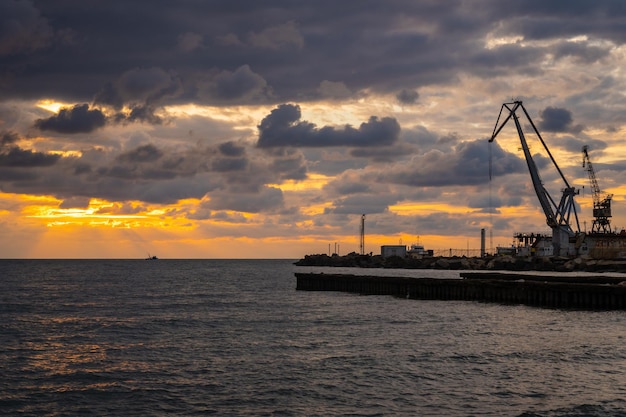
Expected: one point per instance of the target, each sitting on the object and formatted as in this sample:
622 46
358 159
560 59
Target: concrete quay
597 293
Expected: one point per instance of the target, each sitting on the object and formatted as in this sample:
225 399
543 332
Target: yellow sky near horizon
89 233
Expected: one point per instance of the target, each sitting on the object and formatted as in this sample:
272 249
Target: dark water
234 338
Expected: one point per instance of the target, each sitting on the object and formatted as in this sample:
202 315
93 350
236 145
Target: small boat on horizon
151 258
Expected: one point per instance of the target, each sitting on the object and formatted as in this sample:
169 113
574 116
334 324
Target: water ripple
234 338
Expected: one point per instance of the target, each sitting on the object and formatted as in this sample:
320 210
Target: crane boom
542 193
558 216
601 206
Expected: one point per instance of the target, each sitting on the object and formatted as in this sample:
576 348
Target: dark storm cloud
12 156
345 187
231 149
75 202
143 91
386 154
229 164
581 51
407 96
26 158
282 127
139 114
361 203
129 59
21 165
266 199
22 28
140 87
77 119
238 86
537 19
8 138
152 164
145 153
157 175
276 37
290 167
554 119
466 164
222 53
82 168
17 175
575 144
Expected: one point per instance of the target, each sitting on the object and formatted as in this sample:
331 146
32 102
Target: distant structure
601 204
362 241
387 251
417 251
482 243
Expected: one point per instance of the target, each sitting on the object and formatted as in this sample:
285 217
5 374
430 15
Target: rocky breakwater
494 263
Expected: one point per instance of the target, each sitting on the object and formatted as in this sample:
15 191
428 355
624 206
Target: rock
442 264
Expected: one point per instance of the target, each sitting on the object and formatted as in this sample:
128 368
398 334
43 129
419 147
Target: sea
235 338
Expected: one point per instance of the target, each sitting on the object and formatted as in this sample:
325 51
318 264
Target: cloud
297 48
231 149
278 36
241 85
386 154
189 41
138 93
361 203
22 28
334 90
16 157
77 119
229 39
16 175
123 209
466 164
266 199
282 127
8 138
145 153
75 202
407 96
290 167
554 119
152 173
583 52
229 164
147 85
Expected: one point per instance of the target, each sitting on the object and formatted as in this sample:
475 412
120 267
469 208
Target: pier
595 293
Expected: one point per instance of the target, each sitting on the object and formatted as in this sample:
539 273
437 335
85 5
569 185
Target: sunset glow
253 135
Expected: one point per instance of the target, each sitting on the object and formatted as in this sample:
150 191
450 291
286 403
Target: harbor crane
558 216
601 205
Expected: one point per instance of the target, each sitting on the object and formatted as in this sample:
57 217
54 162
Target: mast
362 241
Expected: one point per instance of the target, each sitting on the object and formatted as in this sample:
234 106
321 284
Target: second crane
601 205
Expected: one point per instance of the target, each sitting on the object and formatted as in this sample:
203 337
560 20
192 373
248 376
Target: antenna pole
362 244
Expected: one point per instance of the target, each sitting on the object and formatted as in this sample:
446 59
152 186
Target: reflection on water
234 338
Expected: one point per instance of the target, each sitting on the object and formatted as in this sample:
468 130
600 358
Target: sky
249 129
